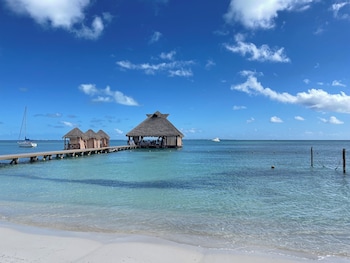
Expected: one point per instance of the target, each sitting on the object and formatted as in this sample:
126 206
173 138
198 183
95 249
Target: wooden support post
344 161
312 157
14 161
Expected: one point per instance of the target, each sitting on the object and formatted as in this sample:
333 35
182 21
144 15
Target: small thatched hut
156 125
104 138
75 139
92 139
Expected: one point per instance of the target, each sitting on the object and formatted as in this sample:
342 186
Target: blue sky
234 69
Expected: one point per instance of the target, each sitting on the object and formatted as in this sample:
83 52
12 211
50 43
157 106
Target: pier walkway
35 156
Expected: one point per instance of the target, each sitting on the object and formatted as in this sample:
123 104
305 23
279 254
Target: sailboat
26 143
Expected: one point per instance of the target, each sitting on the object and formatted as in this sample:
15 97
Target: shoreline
21 243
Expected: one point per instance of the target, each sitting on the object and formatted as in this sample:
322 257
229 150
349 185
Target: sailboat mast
24 124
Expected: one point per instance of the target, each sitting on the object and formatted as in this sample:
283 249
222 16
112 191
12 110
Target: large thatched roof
92 135
155 125
75 133
103 134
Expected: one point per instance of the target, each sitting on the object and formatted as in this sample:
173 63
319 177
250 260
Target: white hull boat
26 143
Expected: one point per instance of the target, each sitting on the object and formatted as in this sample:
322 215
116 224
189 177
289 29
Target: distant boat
26 143
216 139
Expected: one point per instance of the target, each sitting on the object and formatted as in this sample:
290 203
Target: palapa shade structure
92 139
75 139
156 125
104 138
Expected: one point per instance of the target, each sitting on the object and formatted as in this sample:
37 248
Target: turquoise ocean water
216 195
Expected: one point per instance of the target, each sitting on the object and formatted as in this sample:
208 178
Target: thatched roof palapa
92 135
156 125
103 134
75 133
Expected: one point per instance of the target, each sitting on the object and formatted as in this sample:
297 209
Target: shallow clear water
223 195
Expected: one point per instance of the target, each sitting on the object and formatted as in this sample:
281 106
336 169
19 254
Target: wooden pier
35 156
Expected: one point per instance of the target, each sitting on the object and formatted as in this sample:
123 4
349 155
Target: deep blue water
222 195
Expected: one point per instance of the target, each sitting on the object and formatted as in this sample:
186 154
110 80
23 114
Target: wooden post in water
344 161
312 157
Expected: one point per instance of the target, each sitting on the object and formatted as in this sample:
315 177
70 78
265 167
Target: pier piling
344 161
33 157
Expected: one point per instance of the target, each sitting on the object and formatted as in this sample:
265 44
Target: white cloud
180 73
316 99
299 118
275 119
67 123
239 107
107 95
173 68
341 10
102 99
338 83
250 120
331 120
92 32
155 37
168 56
306 81
88 89
119 131
210 64
256 14
262 53
66 14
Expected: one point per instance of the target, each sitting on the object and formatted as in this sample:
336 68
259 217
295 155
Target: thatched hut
75 139
157 126
92 139
104 141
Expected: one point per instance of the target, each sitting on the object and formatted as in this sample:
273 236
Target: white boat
216 139
26 143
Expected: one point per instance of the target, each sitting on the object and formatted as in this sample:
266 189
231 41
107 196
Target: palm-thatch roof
156 125
75 133
92 135
103 134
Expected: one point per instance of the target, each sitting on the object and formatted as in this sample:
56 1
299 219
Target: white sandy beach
37 245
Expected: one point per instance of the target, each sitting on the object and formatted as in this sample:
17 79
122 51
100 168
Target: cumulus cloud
331 120
262 53
255 14
92 32
180 73
173 68
107 95
68 124
65 14
299 118
341 10
316 99
168 56
275 119
338 83
118 131
306 81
